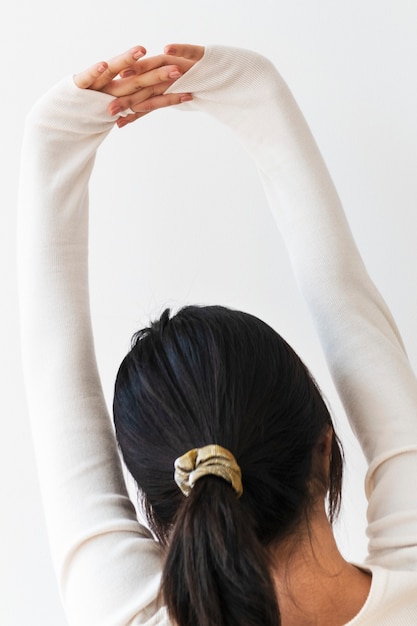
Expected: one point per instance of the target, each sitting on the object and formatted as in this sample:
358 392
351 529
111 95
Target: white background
178 214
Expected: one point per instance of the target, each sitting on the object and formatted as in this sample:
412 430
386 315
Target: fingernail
101 68
170 50
137 54
186 98
115 110
128 73
174 74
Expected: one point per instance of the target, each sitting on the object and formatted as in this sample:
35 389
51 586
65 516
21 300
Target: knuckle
137 83
162 74
146 107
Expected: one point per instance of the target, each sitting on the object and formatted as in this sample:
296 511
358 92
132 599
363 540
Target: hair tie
211 459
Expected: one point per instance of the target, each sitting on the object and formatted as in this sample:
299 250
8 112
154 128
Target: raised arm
108 566
364 351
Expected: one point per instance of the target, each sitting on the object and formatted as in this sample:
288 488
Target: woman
219 422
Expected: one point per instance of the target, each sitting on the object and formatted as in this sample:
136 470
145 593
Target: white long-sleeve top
108 565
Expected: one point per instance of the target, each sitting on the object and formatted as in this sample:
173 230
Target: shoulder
392 598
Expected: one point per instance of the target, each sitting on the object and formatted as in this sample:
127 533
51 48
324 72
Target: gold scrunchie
211 459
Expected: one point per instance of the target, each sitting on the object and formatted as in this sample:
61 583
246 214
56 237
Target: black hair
214 375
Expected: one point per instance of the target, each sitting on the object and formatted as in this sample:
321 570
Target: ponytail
216 572
210 375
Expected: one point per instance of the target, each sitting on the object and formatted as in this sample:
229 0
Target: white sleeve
361 342
108 566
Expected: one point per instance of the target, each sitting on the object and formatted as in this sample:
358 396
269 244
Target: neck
312 578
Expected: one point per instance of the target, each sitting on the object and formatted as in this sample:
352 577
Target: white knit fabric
109 567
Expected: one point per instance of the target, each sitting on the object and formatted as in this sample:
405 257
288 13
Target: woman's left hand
138 84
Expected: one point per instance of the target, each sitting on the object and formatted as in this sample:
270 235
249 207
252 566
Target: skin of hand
137 83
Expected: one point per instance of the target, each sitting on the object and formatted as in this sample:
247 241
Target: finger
117 64
131 84
134 100
85 79
127 73
162 101
123 121
151 63
188 51
152 104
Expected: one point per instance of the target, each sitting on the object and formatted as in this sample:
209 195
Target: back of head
211 375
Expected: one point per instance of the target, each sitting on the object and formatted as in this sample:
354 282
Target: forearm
58 354
91 523
365 354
